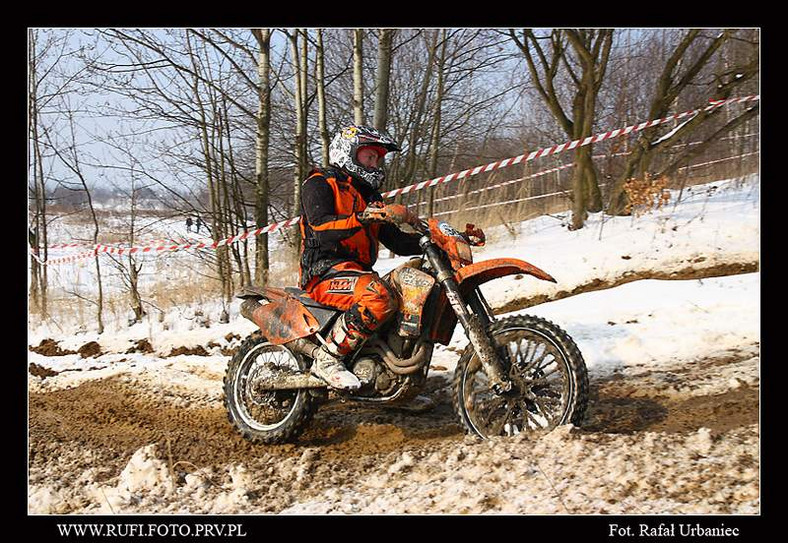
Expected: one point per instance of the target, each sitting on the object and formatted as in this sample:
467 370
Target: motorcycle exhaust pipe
399 365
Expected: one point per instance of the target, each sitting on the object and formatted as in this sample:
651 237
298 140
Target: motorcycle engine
373 376
366 369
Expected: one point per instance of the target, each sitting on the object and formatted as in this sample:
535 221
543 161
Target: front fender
470 277
473 275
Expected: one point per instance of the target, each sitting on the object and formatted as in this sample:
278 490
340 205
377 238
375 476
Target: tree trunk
321 99
416 125
436 124
39 238
592 49
262 135
214 191
300 139
75 167
382 76
358 77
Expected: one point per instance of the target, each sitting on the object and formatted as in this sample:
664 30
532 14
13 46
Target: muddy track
99 425
117 418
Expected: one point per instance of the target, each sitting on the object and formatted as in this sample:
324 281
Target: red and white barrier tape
563 147
456 176
63 259
499 185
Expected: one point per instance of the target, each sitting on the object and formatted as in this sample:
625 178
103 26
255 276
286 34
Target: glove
393 213
475 236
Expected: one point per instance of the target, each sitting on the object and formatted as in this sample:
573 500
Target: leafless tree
436 123
320 83
382 76
262 138
358 77
586 70
681 72
70 157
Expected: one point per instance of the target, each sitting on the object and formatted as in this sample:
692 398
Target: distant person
199 224
189 224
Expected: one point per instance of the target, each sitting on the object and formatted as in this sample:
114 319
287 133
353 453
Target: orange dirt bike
517 374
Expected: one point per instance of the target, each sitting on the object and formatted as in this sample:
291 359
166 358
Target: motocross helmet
345 145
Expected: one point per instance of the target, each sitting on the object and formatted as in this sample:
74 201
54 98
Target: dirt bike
517 374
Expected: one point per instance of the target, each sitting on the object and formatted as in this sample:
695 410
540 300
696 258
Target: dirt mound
141 346
49 347
199 350
40 371
91 348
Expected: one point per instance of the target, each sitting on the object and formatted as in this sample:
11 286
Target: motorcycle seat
307 300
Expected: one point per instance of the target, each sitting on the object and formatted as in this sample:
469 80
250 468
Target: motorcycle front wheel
547 371
265 416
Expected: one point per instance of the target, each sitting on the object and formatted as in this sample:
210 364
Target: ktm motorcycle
517 374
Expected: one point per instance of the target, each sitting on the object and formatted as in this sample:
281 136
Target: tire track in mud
690 272
629 405
115 418
119 417
97 426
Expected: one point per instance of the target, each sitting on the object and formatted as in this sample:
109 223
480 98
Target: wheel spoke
265 409
543 379
501 421
537 364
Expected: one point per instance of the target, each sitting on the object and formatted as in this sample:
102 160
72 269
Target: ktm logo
342 285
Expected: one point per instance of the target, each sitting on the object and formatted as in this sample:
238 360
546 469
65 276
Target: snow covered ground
662 345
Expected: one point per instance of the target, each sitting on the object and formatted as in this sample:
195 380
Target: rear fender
469 278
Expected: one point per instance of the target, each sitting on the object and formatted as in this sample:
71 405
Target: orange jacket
331 232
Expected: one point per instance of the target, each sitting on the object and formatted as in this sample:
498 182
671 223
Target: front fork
474 323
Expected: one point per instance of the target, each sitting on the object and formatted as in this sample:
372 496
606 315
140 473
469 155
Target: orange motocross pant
368 301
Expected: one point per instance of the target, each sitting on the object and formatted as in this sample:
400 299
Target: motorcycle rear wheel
261 416
549 376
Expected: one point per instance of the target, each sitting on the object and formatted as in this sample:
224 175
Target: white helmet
345 145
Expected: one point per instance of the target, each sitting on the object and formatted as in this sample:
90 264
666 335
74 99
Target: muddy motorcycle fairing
289 313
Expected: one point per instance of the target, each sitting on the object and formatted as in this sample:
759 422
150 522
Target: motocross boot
327 360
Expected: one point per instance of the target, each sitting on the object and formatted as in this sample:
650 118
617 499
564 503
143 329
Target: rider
342 216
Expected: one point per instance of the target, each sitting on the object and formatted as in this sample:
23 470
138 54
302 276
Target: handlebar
421 226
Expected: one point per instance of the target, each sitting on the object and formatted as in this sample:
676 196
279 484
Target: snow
637 328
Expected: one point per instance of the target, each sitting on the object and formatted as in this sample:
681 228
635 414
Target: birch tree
382 75
320 83
262 138
299 60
